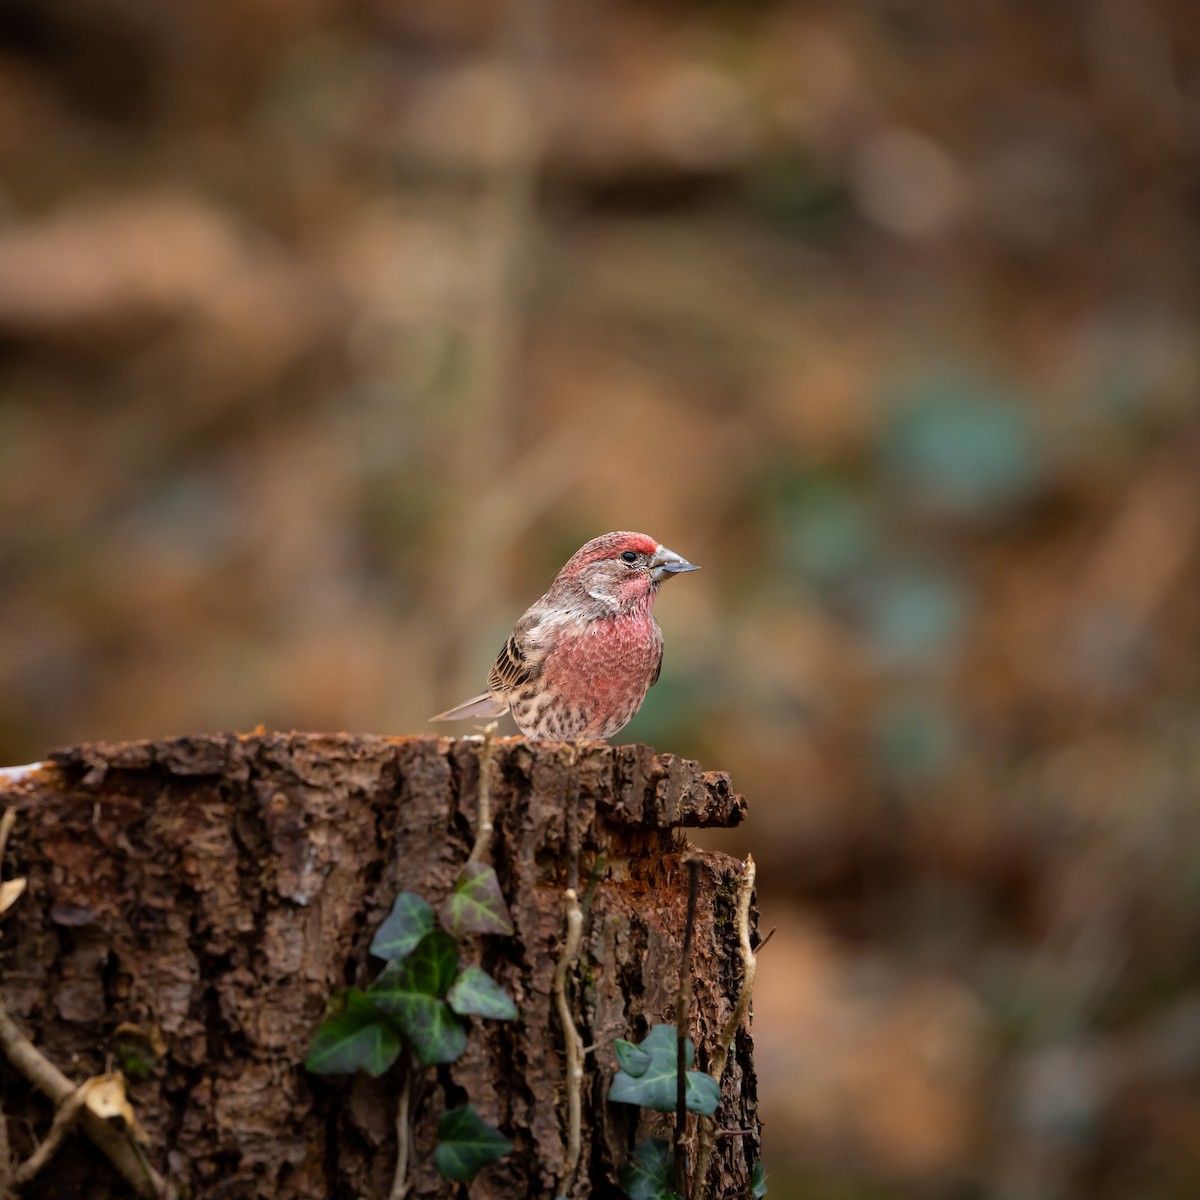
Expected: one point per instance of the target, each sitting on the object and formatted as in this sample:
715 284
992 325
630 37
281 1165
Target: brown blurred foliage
327 331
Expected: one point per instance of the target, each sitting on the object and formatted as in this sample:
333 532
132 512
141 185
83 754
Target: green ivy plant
648 1076
418 1002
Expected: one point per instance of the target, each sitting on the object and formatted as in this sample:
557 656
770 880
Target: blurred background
328 331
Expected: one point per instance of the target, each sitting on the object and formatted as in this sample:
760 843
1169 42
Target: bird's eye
629 557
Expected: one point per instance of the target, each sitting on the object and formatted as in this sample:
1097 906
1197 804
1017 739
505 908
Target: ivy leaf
403 928
661 1040
702 1093
437 1035
655 1086
633 1060
411 993
476 905
758 1181
476 993
357 1037
649 1174
429 970
467 1144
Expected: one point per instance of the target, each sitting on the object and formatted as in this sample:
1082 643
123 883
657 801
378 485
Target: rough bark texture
220 888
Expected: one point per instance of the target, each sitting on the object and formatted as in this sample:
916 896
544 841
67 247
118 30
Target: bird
579 662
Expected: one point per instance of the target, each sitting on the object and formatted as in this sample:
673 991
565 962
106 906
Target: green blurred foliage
956 445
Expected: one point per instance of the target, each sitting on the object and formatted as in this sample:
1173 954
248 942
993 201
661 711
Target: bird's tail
485 705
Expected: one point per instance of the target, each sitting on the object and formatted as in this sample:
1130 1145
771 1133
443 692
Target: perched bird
578 664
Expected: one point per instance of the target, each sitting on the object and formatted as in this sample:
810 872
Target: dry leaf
10 890
152 1038
104 1097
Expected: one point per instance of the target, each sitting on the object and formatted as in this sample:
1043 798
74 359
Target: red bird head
620 571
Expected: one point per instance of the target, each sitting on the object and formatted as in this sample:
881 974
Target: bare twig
115 1145
682 1005
483 819
5 1160
705 1139
572 1042
404 1133
6 823
571 817
64 1121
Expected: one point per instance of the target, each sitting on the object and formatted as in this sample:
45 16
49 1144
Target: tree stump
209 894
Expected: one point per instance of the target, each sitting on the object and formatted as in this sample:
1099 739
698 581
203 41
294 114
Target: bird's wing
511 669
658 667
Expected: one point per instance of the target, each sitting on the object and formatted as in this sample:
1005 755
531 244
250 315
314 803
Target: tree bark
214 891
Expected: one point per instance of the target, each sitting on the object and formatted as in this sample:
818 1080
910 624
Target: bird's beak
666 562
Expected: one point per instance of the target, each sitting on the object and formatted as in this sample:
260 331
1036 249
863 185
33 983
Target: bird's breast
595 677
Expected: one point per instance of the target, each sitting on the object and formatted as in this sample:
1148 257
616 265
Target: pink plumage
578 664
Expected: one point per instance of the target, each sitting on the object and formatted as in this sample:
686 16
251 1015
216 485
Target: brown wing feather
510 670
658 668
